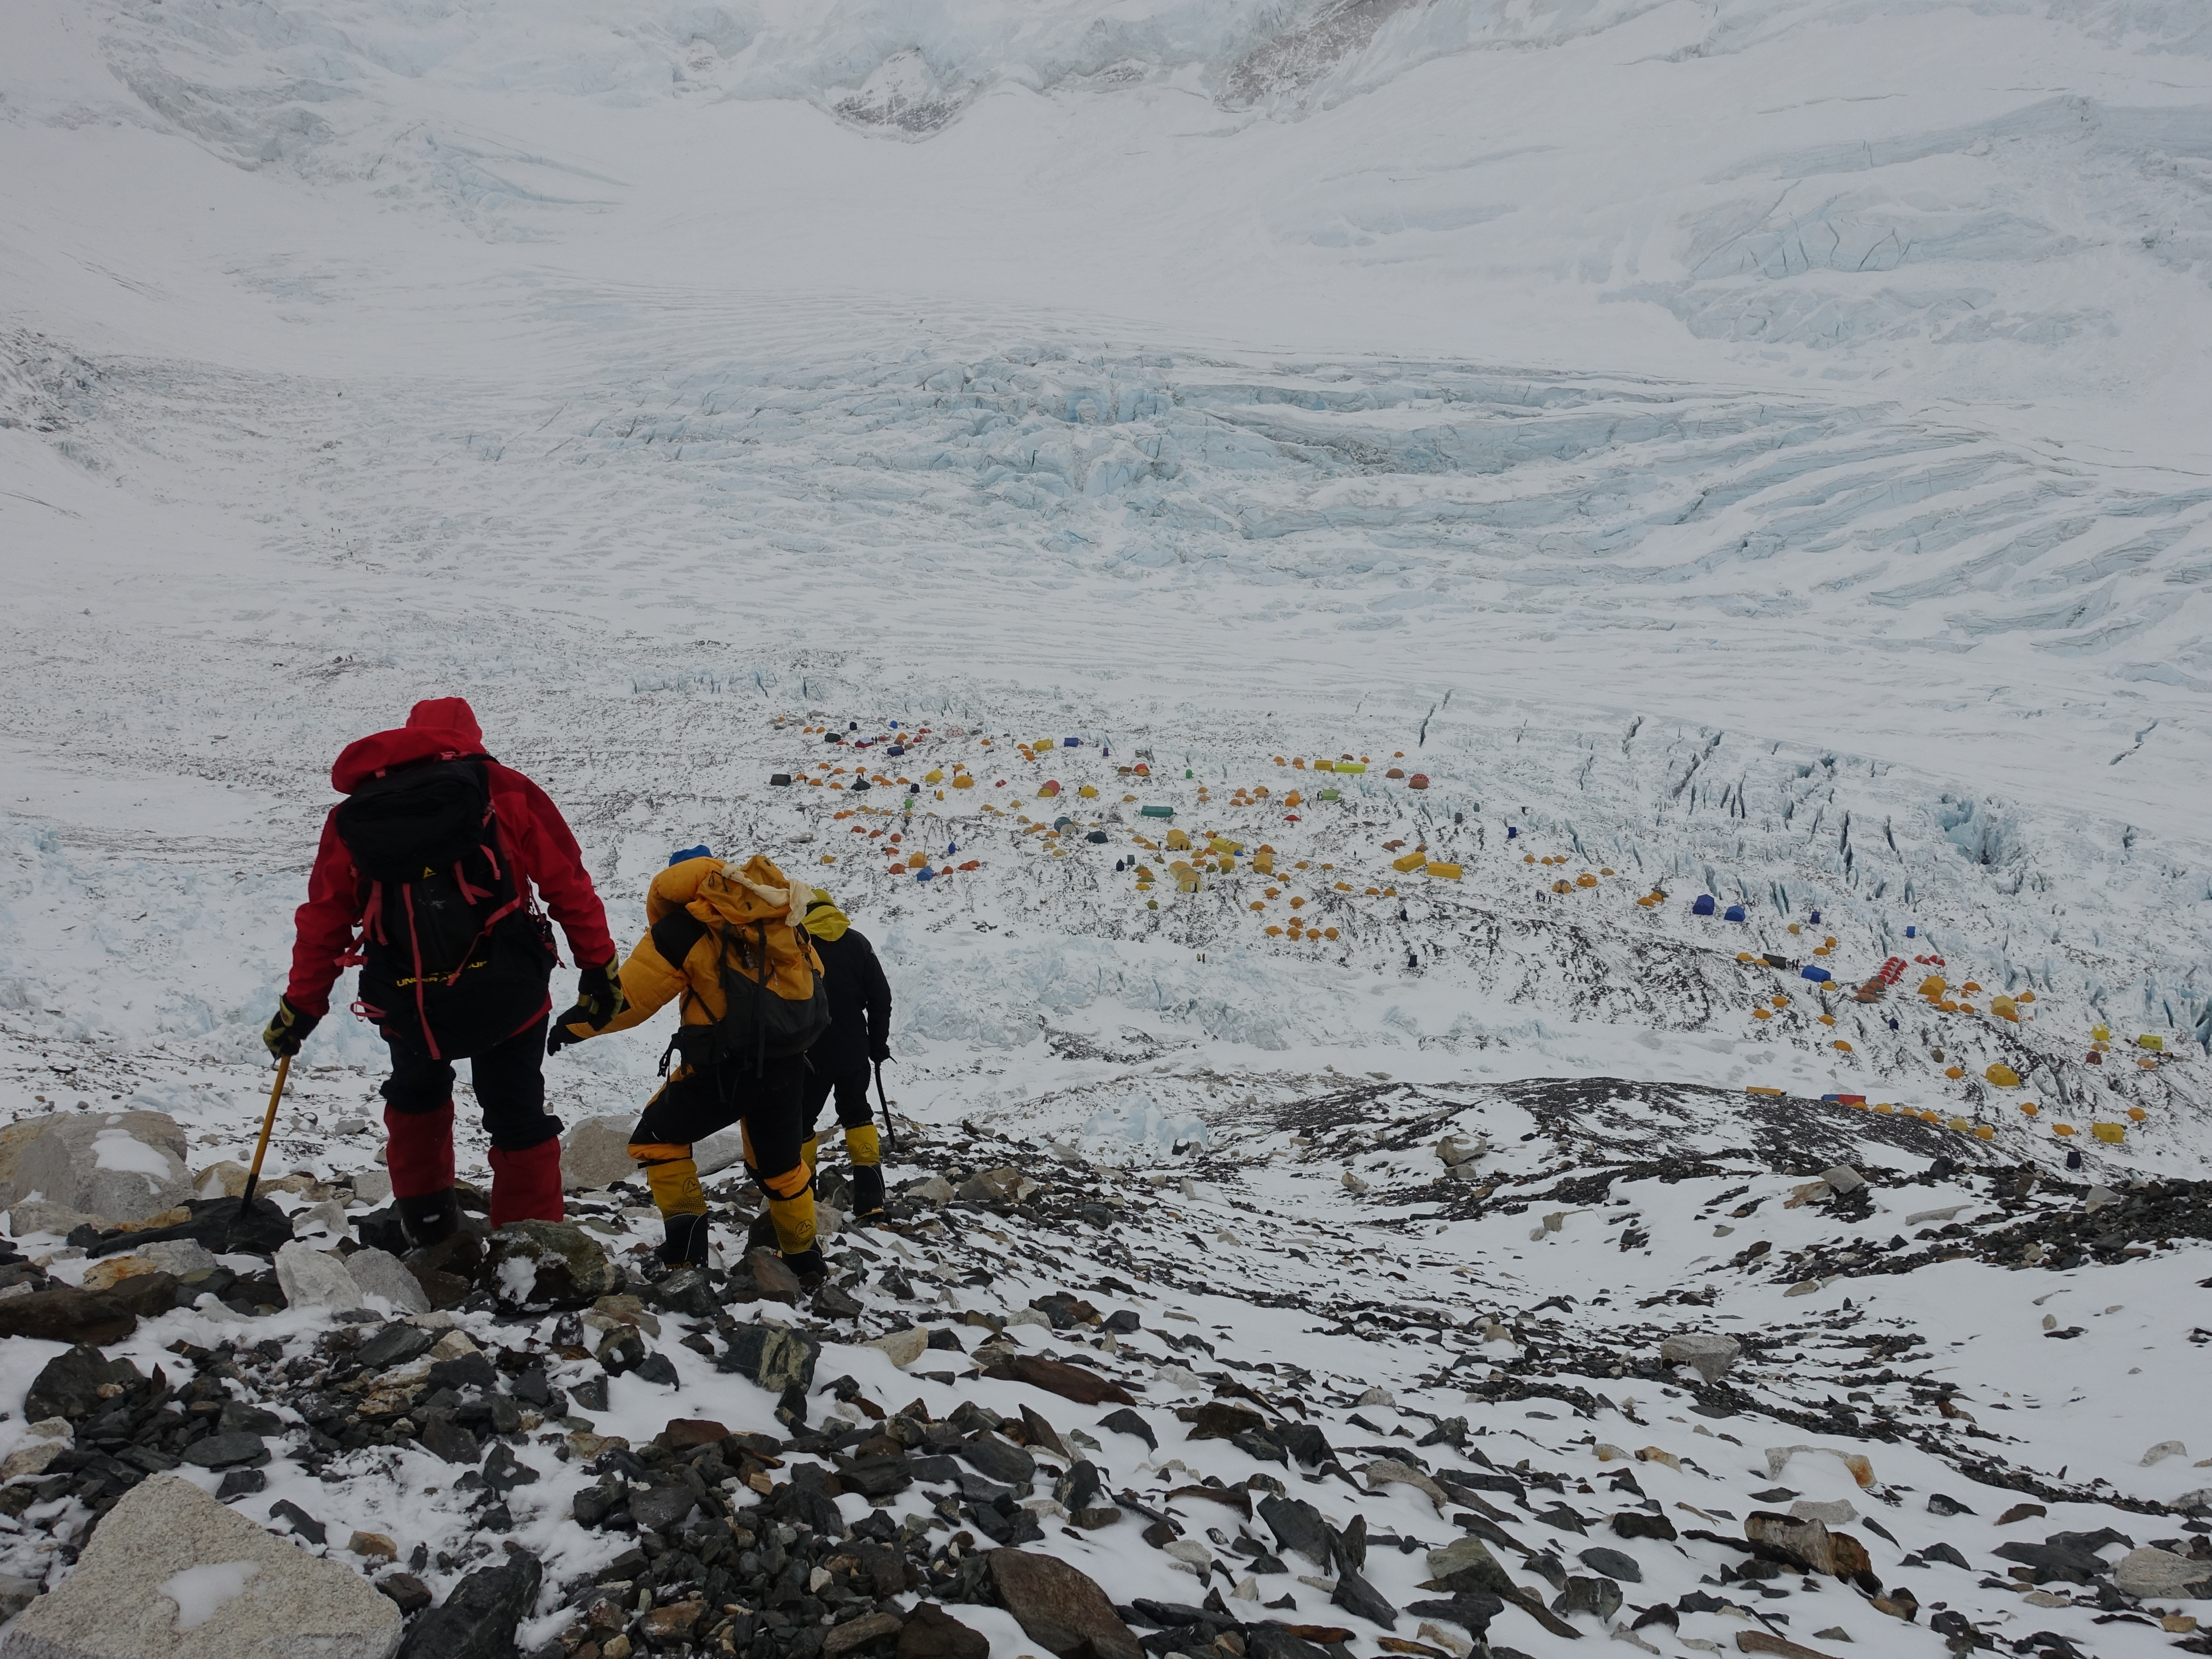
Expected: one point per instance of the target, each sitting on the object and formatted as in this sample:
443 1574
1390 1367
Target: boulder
48 1440
314 1279
595 1154
172 1574
37 1216
1078 1383
1706 1352
66 1313
2161 1574
1806 1544
932 1189
932 1633
117 1166
902 1348
69 1385
535 1264
383 1277
371 1186
768 1356
856 1634
1465 1566
176 1255
719 1150
223 1179
477 1620
772 1275
1059 1607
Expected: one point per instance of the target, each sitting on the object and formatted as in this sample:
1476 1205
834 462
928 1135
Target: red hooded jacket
532 830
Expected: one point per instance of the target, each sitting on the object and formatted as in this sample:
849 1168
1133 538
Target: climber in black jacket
859 1036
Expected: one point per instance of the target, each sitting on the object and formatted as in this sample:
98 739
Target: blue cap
688 853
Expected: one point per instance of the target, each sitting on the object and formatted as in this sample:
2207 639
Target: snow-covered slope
1748 448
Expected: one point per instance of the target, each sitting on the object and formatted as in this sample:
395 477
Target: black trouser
695 1103
853 1107
509 1079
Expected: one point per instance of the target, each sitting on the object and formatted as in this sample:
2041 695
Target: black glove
560 1037
880 1050
288 1030
600 995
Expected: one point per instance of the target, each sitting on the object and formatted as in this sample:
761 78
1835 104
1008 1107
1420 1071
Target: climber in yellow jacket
732 945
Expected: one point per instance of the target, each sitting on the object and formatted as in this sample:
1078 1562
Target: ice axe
261 1147
890 1139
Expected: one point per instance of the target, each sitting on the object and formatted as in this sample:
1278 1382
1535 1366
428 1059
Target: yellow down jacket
760 896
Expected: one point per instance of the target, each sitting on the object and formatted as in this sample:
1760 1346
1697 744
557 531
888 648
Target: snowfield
1755 449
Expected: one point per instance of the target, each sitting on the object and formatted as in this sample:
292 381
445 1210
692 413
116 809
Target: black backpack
452 952
756 1025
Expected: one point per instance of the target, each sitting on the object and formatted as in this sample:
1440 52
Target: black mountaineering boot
428 1219
868 1192
686 1244
809 1266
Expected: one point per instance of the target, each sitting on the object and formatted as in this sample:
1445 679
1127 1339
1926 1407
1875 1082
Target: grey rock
932 1633
662 1507
719 1150
49 1439
773 1276
1465 1566
68 1386
16 1595
1601 1596
1059 1607
2097 1197
595 1154
395 1345
1299 1527
176 1256
446 1439
118 1166
1361 1599
996 1459
310 1278
2161 1574
37 1216
1843 1179
1706 1352
1613 1563
167 1544
902 1348
383 1277
1836 1513
371 1186
233 1450
533 1265
477 1620
687 1291
770 1357
934 1189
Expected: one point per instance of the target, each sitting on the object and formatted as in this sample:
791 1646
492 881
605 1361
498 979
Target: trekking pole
888 1136
261 1147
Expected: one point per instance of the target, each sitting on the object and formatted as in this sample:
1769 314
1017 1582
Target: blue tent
1703 907
1818 975
1734 914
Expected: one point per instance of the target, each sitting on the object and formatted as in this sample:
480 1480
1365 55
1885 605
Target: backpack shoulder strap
674 935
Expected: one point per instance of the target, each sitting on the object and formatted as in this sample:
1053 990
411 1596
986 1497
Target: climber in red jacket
423 881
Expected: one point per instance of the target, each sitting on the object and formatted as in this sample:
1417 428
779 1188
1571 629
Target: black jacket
860 1005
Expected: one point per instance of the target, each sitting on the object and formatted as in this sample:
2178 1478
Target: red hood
438 728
